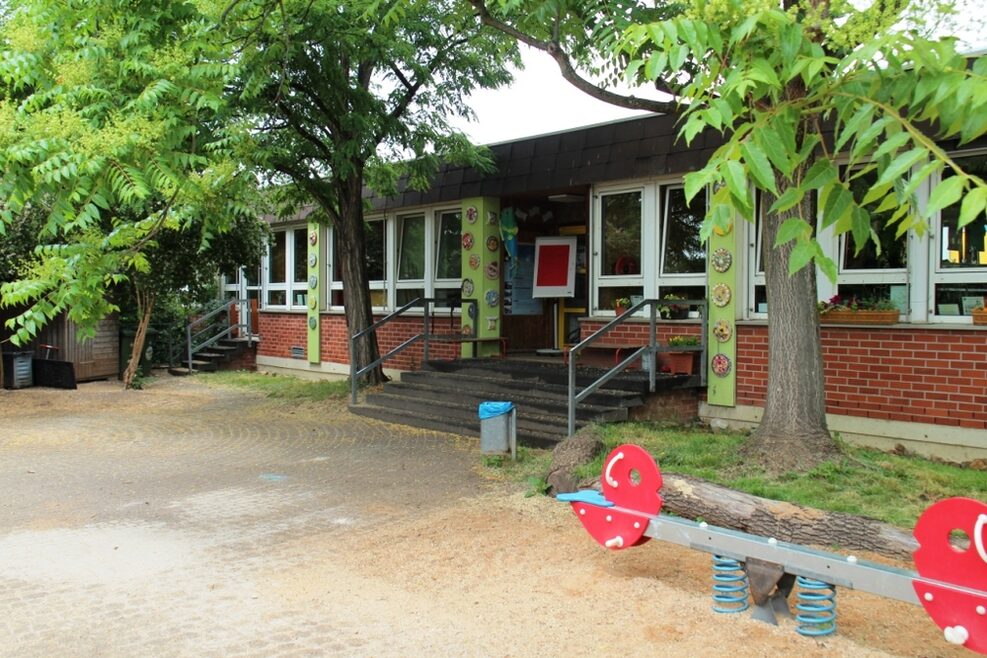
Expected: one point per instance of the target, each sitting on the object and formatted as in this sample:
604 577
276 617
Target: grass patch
531 467
285 387
892 488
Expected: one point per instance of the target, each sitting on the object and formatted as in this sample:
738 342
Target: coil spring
730 585
816 608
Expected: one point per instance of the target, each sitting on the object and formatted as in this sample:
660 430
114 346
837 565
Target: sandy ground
302 530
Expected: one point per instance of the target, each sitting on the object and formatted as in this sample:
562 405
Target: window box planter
681 363
838 316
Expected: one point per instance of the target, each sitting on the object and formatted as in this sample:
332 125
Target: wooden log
693 498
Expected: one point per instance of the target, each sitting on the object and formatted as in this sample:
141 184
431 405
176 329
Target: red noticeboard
555 267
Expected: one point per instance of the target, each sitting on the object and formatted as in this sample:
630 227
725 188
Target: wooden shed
94 358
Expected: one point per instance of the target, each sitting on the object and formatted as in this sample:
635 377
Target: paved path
149 523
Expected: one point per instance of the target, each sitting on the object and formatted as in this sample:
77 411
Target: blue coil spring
730 586
816 608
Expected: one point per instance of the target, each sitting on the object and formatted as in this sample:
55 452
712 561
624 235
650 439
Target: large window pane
448 261
376 251
621 225
963 247
300 254
278 260
411 262
683 252
893 251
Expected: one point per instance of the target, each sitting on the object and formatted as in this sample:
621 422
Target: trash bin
17 370
498 428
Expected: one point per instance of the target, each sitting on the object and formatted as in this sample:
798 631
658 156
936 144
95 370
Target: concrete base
954 444
306 370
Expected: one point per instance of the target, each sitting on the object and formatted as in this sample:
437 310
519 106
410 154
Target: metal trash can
17 370
498 428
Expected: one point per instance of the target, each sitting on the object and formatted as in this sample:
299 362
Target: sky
540 101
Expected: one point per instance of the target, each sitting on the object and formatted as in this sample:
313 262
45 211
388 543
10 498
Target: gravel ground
187 520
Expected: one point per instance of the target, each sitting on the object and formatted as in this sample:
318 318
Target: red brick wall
914 375
281 331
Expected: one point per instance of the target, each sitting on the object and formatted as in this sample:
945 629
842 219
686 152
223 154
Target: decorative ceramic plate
467 287
312 260
471 215
723 231
721 294
471 312
313 323
313 282
492 218
313 238
493 244
722 330
721 365
467 330
474 261
492 297
721 260
493 270
467 241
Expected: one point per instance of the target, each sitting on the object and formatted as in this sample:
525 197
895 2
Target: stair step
526 437
201 366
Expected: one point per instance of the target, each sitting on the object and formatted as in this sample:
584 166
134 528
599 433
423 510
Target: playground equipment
950 583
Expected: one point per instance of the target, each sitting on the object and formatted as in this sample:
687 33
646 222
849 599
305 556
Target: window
411 259
619 262
959 256
683 253
287 269
448 258
876 271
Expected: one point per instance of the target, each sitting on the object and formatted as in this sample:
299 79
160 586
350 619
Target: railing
647 352
209 328
426 336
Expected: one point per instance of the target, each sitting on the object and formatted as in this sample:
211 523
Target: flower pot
678 313
838 316
980 316
681 363
620 310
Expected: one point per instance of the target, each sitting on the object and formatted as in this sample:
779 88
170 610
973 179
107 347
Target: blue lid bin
498 428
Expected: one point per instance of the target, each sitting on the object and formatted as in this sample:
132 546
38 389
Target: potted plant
672 311
682 362
979 314
855 310
621 304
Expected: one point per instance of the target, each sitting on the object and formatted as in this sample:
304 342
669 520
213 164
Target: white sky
538 102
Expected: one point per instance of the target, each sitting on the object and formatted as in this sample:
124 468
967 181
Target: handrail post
352 369
188 345
425 331
572 395
652 354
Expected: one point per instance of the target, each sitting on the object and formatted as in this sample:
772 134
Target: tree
774 79
112 125
336 91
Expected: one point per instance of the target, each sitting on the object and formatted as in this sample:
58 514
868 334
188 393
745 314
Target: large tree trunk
351 244
792 434
145 305
694 498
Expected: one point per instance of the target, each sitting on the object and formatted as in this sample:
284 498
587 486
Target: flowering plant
622 302
837 303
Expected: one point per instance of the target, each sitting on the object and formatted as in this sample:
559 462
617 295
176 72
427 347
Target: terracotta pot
859 317
681 363
980 317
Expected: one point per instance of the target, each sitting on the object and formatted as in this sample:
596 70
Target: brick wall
913 375
281 331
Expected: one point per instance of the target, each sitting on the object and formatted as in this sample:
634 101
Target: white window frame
432 277
289 286
646 278
936 274
412 284
677 279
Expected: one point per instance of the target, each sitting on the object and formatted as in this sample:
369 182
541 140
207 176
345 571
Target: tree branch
569 72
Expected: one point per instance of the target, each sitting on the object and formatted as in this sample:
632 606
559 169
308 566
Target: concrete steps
212 358
446 397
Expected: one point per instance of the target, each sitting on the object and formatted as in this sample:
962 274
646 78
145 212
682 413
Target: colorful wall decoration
481 274
314 292
722 280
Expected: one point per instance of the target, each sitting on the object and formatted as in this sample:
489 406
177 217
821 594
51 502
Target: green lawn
286 387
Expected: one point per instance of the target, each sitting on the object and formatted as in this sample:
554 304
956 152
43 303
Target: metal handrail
426 336
193 339
646 352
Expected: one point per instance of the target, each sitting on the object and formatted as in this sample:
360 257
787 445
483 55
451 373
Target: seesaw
950 583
